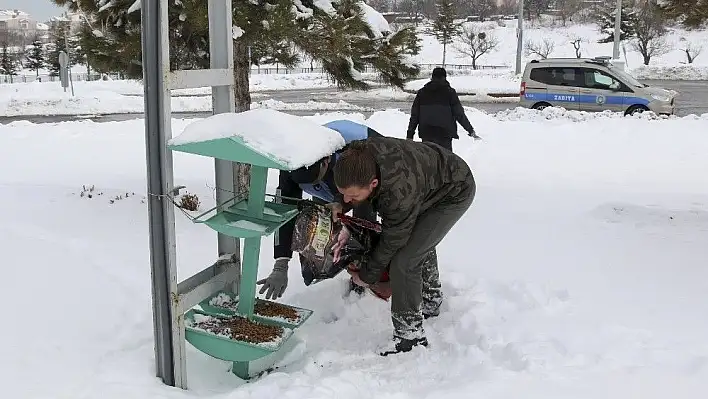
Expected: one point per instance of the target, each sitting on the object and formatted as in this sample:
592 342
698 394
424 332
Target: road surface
692 99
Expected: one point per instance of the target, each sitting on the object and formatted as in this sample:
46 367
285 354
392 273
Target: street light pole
68 53
519 36
618 25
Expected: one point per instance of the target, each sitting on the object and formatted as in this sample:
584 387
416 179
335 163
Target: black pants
414 273
444 142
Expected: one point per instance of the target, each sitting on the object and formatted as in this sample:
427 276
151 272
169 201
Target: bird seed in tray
239 329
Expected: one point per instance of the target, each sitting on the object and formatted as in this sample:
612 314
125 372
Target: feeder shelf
231 310
228 349
237 221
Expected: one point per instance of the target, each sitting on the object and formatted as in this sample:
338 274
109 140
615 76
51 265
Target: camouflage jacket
413 177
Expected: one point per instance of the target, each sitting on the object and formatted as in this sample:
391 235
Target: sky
40 10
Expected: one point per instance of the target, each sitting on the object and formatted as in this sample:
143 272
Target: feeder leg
240 369
252 246
257 191
249 275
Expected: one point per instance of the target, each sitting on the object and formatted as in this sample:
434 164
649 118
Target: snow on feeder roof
262 137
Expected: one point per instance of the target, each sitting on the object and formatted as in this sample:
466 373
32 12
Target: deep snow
579 271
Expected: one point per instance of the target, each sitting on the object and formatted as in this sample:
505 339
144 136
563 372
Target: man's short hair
439 73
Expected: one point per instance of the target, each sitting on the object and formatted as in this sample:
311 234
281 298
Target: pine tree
444 27
60 39
606 21
8 62
98 50
335 34
35 57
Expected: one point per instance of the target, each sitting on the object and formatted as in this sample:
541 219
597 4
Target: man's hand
277 281
474 135
336 208
355 278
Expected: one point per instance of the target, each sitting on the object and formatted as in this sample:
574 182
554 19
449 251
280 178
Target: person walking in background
436 111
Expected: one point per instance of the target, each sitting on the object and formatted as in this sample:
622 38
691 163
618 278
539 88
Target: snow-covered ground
258 82
501 81
579 272
125 96
99 98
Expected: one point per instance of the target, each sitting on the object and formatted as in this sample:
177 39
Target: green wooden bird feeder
265 139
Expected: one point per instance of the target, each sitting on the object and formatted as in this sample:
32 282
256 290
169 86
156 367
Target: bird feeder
237 327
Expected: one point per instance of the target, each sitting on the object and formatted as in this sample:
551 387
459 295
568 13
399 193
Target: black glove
473 134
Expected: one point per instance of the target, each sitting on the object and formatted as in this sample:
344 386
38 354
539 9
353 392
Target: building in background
72 19
18 28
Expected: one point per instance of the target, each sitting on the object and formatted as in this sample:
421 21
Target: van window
596 79
555 76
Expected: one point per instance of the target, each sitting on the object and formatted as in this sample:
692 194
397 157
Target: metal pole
159 182
520 36
68 53
221 57
618 26
221 52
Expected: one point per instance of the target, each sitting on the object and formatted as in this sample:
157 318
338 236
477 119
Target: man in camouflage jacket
420 191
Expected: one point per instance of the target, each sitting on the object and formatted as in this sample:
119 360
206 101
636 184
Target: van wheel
540 106
635 109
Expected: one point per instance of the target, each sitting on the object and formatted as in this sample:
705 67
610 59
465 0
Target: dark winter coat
413 177
325 191
436 111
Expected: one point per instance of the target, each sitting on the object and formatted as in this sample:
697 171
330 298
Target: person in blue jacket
318 181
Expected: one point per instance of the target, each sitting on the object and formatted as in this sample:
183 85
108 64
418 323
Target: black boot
401 345
354 288
431 309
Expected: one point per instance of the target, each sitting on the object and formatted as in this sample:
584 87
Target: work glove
474 135
277 281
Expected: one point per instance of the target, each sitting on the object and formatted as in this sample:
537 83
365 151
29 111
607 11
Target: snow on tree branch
135 7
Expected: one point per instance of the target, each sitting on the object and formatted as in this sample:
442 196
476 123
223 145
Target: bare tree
567 8
480 8
650 28
543 49
507 6
692 51
380 5
576 45
476 43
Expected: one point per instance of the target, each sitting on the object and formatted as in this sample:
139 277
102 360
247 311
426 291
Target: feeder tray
226 303
236 220
224 347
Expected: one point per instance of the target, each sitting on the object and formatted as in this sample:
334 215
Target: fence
270 70
276 70
76 77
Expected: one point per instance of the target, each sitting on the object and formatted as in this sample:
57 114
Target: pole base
264 365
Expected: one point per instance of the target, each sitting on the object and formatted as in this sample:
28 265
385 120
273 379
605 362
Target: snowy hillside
569 278
561 37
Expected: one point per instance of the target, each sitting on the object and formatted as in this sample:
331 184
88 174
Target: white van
590 85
